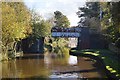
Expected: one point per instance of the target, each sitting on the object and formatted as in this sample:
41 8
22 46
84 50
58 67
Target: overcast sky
47 7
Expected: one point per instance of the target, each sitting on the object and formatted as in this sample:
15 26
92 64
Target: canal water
51 67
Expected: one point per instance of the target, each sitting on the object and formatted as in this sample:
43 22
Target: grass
111 60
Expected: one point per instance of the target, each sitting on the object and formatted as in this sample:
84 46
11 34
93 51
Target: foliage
15 24
61 20
58 46
115 11
89 15
103 17
90 10
110 21
40 27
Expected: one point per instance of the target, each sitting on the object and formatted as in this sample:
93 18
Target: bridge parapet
66 32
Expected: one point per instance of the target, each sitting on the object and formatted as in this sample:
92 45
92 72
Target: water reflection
48 66
67 75
24 68
72 60
0 70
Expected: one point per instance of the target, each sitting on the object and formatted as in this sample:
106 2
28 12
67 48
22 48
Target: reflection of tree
32 68
0 69
9 70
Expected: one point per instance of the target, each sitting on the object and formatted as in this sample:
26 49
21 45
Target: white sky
47 7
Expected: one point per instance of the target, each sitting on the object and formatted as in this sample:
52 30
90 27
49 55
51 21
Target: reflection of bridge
82 33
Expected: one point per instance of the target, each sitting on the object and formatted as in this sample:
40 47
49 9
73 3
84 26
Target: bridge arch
82 33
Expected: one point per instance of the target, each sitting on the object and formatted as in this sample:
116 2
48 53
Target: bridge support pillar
84 39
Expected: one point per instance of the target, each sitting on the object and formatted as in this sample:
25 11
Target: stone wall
33 45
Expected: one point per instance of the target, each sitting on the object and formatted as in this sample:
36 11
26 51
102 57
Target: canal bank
108 60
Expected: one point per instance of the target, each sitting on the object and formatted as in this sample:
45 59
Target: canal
51 67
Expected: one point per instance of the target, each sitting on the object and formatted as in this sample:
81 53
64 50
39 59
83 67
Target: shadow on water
31 56
49 66
81 71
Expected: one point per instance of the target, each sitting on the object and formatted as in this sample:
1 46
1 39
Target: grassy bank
110 59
